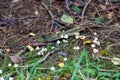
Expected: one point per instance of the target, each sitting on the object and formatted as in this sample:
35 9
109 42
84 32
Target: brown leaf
4 29
112 8
16 58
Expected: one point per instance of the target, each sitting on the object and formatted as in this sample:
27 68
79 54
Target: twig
67 4
46 56
109 58
50 15
105 36
33 16
108 70
48 10
109 47
84 9
54 21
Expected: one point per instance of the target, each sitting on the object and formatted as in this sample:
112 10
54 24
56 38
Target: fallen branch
50 15
48 10
70 32
54 21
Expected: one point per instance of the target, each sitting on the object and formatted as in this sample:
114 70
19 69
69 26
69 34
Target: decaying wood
70 32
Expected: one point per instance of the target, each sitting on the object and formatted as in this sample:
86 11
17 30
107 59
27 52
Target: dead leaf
16 58
30 47
61 64
8 50
87 42
32 34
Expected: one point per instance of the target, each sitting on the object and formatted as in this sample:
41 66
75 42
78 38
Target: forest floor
60 40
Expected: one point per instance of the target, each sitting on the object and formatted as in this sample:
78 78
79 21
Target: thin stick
107 58
108 70
84 9
109 46
48 10
67 4
50 15
46 56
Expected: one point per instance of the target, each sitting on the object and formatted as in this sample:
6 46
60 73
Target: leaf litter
26 27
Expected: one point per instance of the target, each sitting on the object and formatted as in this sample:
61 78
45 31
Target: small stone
40 53
66 36
9 64
82 37
95 41
15 65
98 43
44 49
65 41
11 78
53 47
62 36
96 38
0 71
77 36
52 68
65 59
92 45
58 42
2 78
61 64
95 50
36 12
37 48
14 1
95 33
76 48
